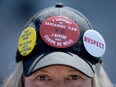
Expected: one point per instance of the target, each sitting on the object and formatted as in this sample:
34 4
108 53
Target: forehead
58 69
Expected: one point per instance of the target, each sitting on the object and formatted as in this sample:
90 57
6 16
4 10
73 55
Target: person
59 48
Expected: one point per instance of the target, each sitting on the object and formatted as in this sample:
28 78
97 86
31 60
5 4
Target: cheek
31 83
28 82
87 83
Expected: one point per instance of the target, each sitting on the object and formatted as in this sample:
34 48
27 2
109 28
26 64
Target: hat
60 35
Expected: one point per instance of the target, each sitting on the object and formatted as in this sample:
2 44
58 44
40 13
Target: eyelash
73 77
47 78
43 78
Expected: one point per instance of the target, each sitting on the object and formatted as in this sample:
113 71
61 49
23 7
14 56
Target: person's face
58 76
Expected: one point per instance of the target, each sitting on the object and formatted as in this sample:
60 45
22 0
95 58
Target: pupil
42 77
74 77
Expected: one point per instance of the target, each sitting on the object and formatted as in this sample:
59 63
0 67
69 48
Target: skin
58 76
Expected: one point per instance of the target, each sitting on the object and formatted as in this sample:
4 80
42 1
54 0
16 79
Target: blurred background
15 13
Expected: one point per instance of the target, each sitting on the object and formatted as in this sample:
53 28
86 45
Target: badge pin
94 43
59 32
27 41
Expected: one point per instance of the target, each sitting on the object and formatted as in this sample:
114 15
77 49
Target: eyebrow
42 71
73 70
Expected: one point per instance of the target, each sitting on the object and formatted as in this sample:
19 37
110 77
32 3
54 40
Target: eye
73 77
43 78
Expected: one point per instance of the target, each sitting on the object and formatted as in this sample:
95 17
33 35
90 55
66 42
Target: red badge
59 31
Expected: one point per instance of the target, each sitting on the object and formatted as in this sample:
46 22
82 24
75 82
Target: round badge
94 43
59 31
27 41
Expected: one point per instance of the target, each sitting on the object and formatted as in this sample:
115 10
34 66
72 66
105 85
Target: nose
58 83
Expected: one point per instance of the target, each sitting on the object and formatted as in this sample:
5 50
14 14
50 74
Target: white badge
94 43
